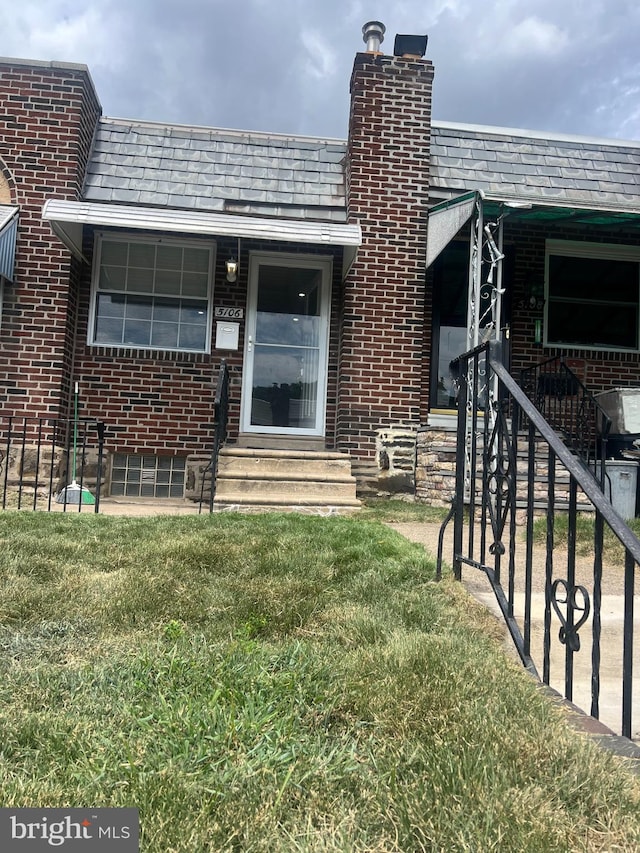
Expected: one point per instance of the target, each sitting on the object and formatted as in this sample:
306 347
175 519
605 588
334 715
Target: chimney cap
415 46
373 34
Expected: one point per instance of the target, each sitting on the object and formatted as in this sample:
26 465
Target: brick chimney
49 113
382 376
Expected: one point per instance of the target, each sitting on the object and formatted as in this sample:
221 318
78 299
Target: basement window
152 293
592 295
137 476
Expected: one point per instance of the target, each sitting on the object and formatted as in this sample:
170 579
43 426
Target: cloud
321 59
566 65
533 36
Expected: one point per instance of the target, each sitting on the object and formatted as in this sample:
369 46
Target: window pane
289 290
167 282
192 337
194 284
142 255
287 329
165 335
110 305
600 279
166 310
284 387
113 278
169 258
109 330
196 260
137 332
139 308
589 324
140 280
114 253
193 312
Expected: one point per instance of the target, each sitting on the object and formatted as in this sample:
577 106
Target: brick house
332 277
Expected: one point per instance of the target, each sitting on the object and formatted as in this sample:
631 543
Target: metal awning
67 219
8 234
539 213
445 220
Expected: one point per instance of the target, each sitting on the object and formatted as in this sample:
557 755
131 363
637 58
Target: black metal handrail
221 417
490 444
565 402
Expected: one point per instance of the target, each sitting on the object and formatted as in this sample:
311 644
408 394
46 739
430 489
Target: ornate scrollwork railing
511 466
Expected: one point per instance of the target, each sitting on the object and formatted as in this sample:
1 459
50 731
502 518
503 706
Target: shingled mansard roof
228 171
532 166
210 169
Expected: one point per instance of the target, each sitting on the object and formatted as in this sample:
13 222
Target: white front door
285 361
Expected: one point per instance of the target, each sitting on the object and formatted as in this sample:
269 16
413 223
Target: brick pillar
381 358
48 115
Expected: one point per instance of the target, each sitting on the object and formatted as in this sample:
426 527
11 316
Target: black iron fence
547 568
39 469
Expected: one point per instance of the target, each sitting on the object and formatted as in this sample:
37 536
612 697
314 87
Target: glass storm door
285 367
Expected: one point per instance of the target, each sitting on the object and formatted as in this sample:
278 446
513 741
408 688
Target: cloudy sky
571 66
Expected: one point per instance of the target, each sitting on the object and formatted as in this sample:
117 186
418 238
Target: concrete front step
255 478
244 463
312 505
294 490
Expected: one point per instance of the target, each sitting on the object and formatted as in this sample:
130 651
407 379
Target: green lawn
280 683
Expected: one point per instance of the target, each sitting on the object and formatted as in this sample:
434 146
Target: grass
280 683
384 509
585 529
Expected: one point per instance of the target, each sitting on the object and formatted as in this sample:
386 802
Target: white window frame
596 251
133 237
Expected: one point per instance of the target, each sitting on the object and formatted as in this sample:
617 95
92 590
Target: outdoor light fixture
415 46
232 269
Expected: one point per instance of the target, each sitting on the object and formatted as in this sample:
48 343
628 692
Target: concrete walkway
477 584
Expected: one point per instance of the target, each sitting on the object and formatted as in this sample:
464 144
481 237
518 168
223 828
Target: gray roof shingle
537 167
218 170
299 177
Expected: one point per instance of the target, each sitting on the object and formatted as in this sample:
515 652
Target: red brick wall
48 113
380 381
162 402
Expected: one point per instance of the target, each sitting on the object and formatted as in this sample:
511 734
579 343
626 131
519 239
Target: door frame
323 263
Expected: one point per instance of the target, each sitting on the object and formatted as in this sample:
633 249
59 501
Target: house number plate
230 313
